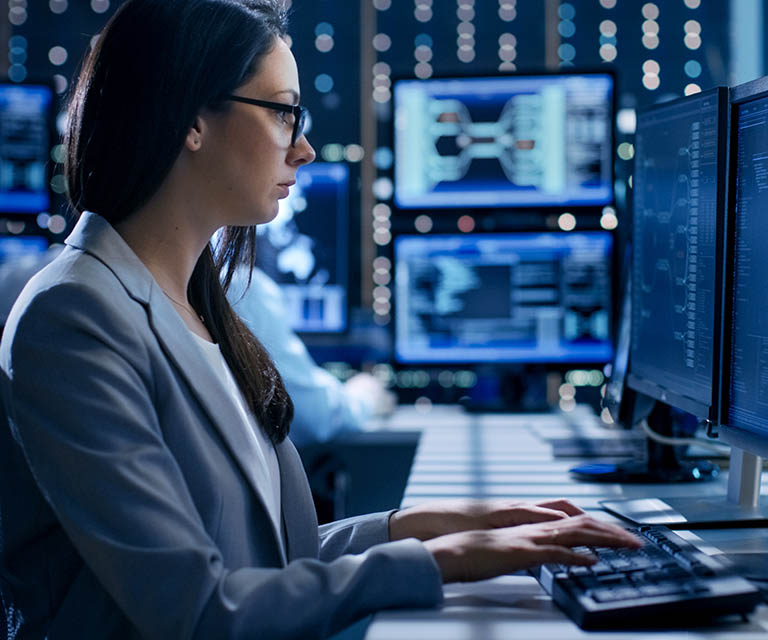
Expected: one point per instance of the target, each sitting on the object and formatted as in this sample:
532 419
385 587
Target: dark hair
155 66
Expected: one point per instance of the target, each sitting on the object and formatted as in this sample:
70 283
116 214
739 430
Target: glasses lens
298 129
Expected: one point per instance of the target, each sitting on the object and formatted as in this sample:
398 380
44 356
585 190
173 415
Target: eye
284 117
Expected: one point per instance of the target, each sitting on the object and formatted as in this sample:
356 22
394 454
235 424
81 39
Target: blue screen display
504 142
748 408
506 297
305 248
25 144
675 230
17 249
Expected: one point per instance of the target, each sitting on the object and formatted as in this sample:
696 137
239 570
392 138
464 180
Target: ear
194 139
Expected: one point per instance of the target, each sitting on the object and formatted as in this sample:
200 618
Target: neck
168 235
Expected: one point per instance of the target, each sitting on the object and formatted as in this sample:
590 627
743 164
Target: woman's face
249 160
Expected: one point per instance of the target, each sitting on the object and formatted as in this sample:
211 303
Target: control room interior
532 214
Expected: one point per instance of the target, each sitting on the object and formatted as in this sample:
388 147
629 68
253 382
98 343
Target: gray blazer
128 502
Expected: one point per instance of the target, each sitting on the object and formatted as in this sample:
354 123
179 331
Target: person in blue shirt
323 407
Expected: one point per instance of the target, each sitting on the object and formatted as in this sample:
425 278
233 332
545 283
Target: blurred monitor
20 258
503 297
21 250
26 129
305 248
678 232
504 141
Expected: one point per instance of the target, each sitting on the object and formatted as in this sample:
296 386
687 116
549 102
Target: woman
154 493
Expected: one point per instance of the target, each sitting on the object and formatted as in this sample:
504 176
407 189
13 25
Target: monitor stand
741 507
661 464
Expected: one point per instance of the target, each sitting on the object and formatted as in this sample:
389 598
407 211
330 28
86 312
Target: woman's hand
478 555
451 516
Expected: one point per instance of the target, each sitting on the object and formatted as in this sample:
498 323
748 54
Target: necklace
184 306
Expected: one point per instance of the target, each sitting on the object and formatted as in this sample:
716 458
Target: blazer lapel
96 236
299 516
181 349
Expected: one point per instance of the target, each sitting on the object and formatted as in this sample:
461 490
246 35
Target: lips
284 188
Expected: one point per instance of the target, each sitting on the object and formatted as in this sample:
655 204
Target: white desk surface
507 455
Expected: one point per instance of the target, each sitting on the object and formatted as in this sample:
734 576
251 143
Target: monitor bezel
650 387
401 363
53 135
734 434
487 209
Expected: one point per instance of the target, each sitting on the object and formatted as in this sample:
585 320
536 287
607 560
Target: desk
479 456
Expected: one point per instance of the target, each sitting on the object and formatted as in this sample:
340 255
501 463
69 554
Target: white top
322 406
265 465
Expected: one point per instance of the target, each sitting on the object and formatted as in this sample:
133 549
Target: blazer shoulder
74 294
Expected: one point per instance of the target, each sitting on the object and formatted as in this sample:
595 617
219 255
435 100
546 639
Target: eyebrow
291 91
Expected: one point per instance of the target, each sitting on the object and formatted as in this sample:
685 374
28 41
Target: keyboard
663 584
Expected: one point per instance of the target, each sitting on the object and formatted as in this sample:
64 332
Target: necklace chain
184 306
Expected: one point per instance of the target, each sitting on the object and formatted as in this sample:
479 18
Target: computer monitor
516 297
305 248
736 379
26 133
677 233
745 391
504 141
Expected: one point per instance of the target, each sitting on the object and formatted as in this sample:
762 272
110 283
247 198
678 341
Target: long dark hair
154 67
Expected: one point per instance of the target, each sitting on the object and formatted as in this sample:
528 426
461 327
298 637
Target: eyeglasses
299 113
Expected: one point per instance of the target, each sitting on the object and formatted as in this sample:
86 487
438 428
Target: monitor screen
18 250
748 385
505 141
679 213
26 113
304 249
504 297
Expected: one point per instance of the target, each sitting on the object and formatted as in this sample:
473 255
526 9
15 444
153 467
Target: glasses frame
299 113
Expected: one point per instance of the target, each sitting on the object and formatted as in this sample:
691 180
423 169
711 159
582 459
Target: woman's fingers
583 530
561 504
563 555
534 513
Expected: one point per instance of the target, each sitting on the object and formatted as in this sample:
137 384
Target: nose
303 152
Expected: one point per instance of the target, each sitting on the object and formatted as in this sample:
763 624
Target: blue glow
324 29
323 83
692 69
566 11
566 51
566 29
383 157
423 39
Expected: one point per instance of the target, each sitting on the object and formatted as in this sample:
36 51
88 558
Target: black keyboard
665 583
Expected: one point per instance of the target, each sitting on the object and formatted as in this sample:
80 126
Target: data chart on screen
506 297
509 141
748 405
675 234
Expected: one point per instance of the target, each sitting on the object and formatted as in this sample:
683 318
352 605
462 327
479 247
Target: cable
722 449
